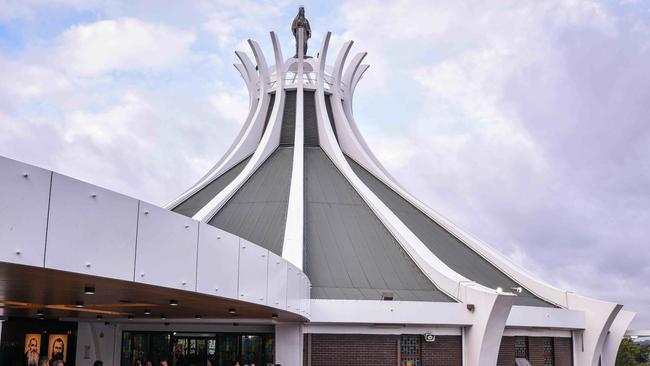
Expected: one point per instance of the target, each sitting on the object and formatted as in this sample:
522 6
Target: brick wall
563 352
378 350
353 349
536 350
561 348
506 352
445 351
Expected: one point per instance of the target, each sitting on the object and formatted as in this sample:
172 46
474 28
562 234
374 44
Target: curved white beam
292 247
355 146
355 80
245 142
268 143
253 75
615 336
253 98
492 309
244 75
350 73
599 317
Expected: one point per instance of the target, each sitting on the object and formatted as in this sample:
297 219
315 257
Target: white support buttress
271 137
292 248
615 336
491 309
248 138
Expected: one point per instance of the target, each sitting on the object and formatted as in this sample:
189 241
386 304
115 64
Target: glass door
190 351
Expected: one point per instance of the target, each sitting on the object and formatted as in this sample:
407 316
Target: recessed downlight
79 304
197 316
89 290
232 311
147 312
173 302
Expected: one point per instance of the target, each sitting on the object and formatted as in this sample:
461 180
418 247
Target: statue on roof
301 22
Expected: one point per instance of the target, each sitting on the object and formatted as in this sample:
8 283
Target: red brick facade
506 352
378 350
352 349
560 347
536 354
444 351
563 351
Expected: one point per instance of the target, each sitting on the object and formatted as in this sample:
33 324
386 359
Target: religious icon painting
57 347
32 348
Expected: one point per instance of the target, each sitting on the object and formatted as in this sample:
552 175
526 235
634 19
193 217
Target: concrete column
288 344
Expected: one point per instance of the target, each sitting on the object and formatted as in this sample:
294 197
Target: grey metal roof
349 253
311 125
288 130
258 211
443 244
198 200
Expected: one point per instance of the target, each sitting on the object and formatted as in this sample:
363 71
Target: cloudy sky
525 122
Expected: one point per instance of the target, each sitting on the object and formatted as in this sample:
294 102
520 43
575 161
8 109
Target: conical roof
300 181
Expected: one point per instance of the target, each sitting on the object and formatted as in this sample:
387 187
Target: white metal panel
532 316
218 262
91 230
166 248
24 198
400 312
277 288
293 288
253 273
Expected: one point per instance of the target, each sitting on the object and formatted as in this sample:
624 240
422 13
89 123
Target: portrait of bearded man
57 348
32 349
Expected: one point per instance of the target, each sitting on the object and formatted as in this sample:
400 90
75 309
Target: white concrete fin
615 336
270 138
292 248
599 317
247 140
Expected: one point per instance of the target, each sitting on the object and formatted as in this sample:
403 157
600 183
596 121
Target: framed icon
32 348
57 345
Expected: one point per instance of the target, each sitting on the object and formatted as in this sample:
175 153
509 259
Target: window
521 347
409 347
548 351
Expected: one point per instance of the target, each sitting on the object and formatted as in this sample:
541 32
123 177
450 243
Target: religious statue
301 22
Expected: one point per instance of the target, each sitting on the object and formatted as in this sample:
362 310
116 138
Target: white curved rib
350 73
599 317
247 80
292 247
247 138
446 279
270 139
321 109
601 313
356 147
615 336
492 309
355 80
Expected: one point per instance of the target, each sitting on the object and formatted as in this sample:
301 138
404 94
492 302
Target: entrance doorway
196 349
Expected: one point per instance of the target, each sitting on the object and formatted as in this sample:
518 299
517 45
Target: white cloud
119 45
